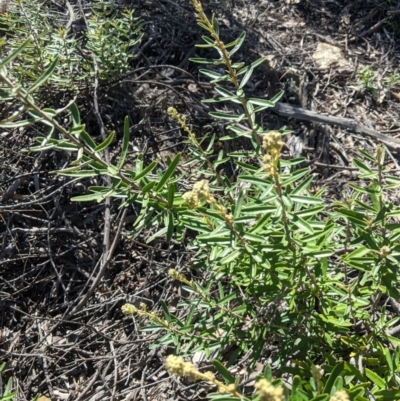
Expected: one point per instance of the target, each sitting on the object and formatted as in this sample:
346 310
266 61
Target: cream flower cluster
178 367
272 145
340 396
268 392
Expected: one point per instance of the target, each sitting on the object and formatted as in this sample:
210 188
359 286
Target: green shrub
286 267
106 44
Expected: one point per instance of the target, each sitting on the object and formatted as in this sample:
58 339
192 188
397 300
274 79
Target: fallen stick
288 110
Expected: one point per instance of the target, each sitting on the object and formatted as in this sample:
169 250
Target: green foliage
285 266
111 36
366 79
392 80
6 393
108 42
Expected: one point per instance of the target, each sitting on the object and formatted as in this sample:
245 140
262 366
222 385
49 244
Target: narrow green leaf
8 387
246 77
261 102
204 46
239 204
112 170
239 43
87 140
76 118
359 252
203 26
250 179
67 146
258 210
238 131
79 157
253 65
294 177
306 199
208 40
45 76
226 116
215 24
166 312
362 190
125 144
88 198
216 100
210 74
170 226
319 254
277 97
230 257
303 186
146 171
254 238
388 356
375 378
267 374
367 155
227 94
394 340
312 211
224 372
169 172
81 174
228 298
21 123
303 225
148 187
363 167
105 143
200 60
14 54
336 372
9 396
393 181
158 234
254 254
171 196
190 315
355 217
